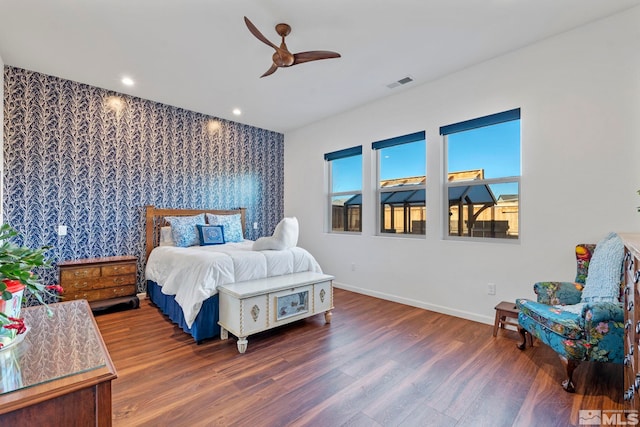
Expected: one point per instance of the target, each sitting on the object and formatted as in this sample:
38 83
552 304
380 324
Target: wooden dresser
104 282
632 321
60 374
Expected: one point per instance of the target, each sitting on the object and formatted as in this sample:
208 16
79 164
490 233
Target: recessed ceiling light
127 81
237 111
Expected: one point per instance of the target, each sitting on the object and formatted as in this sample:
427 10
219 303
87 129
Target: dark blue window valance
341 154
385 143
493 119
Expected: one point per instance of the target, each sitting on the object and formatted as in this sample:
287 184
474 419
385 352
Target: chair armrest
596 312
555 293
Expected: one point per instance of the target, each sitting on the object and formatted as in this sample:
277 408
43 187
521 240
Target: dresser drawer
102 294
79 273
98 277
89 284
118 269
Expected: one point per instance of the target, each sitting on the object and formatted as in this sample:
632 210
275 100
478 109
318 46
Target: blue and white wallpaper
91 159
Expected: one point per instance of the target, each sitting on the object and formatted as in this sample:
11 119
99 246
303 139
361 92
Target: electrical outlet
491 288
62 230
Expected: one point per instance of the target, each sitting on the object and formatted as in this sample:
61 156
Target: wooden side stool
504 312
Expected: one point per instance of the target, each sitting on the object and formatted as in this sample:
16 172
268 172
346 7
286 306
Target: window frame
330 157
445 131
378 146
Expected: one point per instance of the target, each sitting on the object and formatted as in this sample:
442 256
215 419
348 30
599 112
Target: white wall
579 94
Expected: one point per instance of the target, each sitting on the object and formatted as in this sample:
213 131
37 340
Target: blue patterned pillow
232 226
183 229
605 269
211 234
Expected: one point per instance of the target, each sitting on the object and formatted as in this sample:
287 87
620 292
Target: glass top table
61 345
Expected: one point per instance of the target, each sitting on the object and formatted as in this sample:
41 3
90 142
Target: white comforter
193 274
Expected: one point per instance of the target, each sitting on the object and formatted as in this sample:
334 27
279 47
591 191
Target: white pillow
285 236
166 238
605 268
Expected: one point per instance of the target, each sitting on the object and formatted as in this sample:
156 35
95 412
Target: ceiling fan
282 57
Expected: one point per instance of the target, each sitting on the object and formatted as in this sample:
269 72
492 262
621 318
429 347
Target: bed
182 281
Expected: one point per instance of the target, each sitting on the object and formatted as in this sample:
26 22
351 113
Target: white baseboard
414 303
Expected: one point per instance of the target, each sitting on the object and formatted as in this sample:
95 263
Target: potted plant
16 273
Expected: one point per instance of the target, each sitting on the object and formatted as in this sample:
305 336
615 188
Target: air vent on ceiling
400 82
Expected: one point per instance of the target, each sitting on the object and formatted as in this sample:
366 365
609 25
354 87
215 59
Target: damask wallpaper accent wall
91 159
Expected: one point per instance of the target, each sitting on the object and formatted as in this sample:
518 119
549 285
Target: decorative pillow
166 239
211 234
183 229
232 226
605 267
285 236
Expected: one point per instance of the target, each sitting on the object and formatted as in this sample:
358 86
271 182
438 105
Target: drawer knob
118 280
322 294
255 312
80 285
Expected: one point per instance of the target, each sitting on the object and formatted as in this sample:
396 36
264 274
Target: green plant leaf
18 263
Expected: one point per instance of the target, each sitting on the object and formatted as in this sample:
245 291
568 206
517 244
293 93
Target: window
345 189
483 176
402 168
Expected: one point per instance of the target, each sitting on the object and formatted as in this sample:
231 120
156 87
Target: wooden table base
505 311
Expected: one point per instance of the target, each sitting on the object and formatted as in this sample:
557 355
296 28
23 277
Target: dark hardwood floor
377 364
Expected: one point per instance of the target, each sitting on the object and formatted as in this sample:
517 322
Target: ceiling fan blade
314 55
270 71
258 34
283 57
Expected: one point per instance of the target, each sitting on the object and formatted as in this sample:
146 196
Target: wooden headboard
155 220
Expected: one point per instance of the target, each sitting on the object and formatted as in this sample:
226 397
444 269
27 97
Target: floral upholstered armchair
581 320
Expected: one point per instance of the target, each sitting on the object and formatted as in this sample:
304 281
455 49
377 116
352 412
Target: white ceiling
199 55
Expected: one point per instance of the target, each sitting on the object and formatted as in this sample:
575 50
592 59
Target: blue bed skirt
206 323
